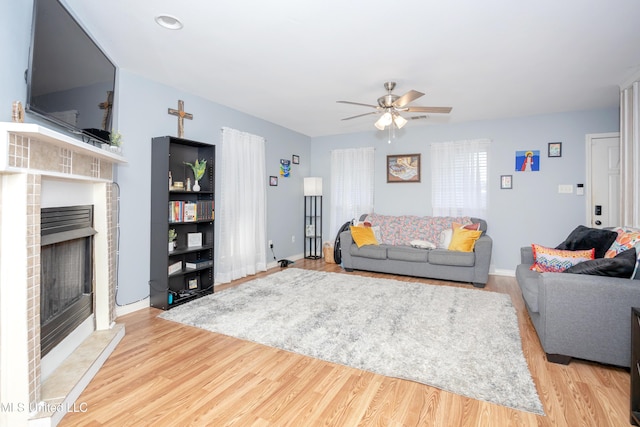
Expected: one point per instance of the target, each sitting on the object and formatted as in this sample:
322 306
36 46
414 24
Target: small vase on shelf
196 186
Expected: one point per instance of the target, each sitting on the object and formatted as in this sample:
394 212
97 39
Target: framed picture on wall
555 149
506 182
403 168
273 181
295 159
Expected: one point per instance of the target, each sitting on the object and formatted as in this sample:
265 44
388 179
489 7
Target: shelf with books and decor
183 208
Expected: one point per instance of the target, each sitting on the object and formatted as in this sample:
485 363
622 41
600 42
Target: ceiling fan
390 106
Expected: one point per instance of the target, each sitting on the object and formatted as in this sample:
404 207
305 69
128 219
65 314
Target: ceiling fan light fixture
385 120
399 121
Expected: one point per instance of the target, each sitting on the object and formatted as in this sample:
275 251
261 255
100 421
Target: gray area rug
465 341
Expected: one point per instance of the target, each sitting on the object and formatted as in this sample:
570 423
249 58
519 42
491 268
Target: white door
604 189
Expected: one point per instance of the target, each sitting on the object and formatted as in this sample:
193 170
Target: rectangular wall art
528 161
403 168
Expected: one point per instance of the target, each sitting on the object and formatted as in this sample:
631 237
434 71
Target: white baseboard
503 272
121 310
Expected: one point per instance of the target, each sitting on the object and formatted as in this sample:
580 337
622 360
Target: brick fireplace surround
31 155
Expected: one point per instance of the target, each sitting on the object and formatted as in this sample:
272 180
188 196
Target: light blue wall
15 35
141 115
532 212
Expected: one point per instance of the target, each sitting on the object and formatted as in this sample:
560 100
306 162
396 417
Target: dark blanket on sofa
622 265
586 238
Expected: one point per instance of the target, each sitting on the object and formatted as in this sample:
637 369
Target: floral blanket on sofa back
402 229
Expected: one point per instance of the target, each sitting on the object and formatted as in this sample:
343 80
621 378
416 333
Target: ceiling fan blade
408 97
436 110
360 115
358 103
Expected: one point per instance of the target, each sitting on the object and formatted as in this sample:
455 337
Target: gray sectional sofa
470 267
579 315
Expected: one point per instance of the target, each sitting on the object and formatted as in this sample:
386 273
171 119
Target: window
351 185
459 172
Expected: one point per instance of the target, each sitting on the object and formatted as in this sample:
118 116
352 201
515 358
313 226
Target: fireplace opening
66 272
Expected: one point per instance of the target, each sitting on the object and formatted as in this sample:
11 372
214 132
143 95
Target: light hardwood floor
164 373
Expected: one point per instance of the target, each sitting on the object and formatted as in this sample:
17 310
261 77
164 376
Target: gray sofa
470 267
579 315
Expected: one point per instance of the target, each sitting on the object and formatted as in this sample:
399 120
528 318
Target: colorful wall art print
528 161
285 168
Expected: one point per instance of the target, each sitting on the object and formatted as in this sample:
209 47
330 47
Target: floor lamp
313 217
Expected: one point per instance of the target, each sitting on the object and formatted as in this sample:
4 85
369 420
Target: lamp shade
313 186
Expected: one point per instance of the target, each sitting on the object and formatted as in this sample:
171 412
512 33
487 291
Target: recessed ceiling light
169 22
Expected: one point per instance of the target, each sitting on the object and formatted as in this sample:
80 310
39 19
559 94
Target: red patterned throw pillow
557 260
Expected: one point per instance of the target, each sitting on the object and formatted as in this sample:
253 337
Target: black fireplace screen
66 272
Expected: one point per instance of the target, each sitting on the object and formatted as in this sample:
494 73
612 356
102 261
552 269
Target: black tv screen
70 81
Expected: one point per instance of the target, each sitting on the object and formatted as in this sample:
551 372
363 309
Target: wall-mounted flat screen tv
70 81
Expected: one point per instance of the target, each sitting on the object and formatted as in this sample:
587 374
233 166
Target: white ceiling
289 61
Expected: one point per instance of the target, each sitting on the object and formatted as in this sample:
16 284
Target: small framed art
555 149
273 181
295 159
506 182
194 240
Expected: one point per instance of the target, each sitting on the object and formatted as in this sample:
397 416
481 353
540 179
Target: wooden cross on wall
181 116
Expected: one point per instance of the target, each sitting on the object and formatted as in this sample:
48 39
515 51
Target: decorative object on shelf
285 168
17 112
198 168
506 182
192 283
189 184
295 159
175 267
310 230
116 142
528 161
194 240
172 239
273 181
181 116
178 185
555 149
313 217
403 168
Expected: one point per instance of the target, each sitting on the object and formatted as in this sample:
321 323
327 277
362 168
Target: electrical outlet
271 244
293 239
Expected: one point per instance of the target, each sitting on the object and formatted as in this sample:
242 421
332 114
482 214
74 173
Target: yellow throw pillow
363 236
464 240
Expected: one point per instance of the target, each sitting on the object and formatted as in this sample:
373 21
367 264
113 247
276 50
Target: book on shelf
175 267
181 211
201 263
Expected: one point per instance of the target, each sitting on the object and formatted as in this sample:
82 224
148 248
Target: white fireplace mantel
30 153
35 148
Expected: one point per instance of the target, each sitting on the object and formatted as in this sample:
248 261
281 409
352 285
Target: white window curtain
241 207
630 155
459 178
352 173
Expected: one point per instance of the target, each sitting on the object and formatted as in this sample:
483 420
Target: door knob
598 222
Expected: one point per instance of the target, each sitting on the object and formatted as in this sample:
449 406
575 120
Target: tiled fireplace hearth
38 166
